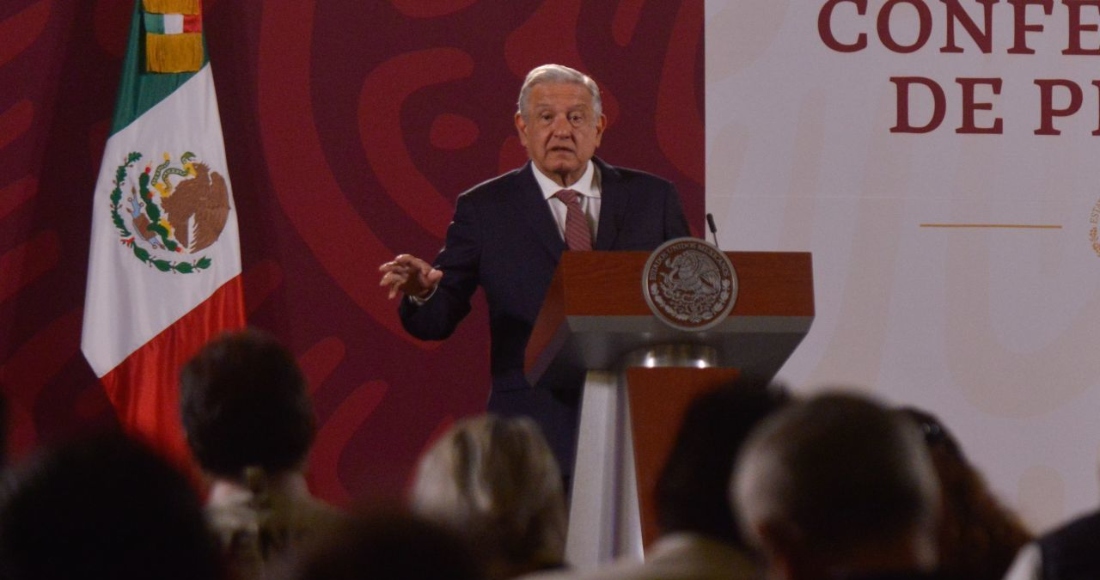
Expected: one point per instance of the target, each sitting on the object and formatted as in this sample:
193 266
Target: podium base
604 518
611 513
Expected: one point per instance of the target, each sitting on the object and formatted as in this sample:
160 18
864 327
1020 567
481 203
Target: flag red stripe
192 22
143 388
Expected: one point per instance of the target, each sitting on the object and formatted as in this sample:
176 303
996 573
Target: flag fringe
172 6
173 53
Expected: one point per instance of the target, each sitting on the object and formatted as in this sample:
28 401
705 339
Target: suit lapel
612 206
532 206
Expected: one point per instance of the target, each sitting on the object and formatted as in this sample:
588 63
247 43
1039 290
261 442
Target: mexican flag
164 271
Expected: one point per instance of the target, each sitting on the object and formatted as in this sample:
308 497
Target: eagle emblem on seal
689 284
169 214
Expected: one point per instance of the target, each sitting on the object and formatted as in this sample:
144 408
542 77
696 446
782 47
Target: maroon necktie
578 236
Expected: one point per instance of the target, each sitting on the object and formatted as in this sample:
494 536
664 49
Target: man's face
560 130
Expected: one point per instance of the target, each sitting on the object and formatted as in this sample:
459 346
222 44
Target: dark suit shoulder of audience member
249 422
390 544
978 535
1067 552
102 507
699 537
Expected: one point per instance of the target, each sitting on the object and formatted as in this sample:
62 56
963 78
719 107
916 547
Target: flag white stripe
173 23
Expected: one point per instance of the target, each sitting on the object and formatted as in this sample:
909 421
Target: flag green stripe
154 23
139 91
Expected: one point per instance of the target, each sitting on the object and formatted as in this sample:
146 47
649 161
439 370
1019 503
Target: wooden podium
641 373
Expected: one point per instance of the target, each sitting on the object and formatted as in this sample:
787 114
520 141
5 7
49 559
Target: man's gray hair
842 470
557 73
496 481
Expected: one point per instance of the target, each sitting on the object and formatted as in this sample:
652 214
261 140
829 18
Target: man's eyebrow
548 106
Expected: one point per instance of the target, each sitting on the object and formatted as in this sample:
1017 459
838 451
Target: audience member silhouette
1069 552
839 487
103 507
699 536
978 535
387 545
496 481
250 424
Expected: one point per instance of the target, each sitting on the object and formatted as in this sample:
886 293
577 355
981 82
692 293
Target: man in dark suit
509 232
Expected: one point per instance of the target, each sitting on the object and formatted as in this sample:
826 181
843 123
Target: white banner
939 160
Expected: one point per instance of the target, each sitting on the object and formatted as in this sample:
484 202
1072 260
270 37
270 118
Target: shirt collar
588 184
226 492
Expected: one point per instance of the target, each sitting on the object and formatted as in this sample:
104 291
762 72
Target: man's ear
601 124
521 128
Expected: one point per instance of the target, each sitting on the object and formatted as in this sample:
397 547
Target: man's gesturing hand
410 275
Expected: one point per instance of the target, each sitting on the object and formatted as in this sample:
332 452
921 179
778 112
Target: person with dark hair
102 507
978 535
249 422
699 535
389 544
838 487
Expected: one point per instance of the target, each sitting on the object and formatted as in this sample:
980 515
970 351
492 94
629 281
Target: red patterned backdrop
350 128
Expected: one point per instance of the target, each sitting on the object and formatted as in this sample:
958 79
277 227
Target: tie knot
567 195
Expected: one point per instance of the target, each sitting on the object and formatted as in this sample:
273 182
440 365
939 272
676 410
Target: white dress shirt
1028 564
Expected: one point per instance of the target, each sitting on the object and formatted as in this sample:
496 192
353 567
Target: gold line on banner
996 226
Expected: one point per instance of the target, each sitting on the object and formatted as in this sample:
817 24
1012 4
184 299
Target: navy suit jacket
504 239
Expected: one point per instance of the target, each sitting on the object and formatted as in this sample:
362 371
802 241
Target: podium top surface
595 312
610 284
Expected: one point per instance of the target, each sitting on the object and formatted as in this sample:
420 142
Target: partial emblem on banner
1094 228
168 214
689 284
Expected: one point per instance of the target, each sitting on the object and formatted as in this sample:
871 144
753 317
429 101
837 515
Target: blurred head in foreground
692 492
978 535
103 507
244 404
495 480
838 485
249 421
387 544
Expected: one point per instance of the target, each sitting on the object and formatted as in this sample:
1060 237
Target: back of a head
244 403
104 507
692 490
387 544
495 479
978 535
842 473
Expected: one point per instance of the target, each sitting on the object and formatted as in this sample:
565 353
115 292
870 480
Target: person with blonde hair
496 481
699 538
